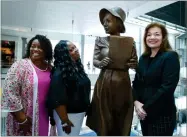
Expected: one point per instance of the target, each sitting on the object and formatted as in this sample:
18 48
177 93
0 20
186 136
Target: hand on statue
132 63
104 62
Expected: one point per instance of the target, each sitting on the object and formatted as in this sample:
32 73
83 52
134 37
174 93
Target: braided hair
63 60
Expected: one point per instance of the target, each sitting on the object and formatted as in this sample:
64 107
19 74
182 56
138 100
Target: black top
150 60
155 82
74 93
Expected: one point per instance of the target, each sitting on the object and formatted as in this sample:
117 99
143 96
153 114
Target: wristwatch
64 124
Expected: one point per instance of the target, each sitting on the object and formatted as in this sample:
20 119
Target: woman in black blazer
155 82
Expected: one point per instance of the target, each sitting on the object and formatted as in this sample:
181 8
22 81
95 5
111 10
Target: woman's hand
104 62
132 63
66 123
26 127
66 126
25 122
139 110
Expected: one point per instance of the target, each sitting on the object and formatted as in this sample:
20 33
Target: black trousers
160 126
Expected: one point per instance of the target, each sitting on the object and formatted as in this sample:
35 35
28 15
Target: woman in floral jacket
25 89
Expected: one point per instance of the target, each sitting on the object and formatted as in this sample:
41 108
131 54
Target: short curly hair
46 46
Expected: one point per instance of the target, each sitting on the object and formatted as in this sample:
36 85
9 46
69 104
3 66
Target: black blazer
155 82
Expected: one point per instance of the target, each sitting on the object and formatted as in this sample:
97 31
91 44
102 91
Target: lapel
148 67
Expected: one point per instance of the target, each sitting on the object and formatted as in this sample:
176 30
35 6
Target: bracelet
65 124
23 122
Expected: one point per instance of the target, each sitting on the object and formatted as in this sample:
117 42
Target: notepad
120 50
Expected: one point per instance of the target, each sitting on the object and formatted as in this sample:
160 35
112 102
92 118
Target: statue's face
110 24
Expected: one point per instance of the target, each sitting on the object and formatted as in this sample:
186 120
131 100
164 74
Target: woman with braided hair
69 94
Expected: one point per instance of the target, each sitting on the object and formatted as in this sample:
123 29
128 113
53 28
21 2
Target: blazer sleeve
170 78
136 83
134 53
134 88
57 94
11 96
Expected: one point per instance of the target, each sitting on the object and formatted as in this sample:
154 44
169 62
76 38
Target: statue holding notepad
111 109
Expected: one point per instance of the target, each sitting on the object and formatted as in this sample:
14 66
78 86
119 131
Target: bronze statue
111 109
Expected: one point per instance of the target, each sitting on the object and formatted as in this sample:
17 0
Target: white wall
181 102
171 38
55 37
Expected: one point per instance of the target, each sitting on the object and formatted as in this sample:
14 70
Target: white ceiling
57 15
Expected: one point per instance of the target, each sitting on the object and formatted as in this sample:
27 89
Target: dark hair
45 45
63 60
165 45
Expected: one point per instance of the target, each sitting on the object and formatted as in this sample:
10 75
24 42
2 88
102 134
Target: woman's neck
154 52
40 63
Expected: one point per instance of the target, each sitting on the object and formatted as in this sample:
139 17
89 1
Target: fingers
132 64
105 61
67 129
19 130
26 128
141 113
144 111
26 131
140 118
107 58
132 60
70 124
139 110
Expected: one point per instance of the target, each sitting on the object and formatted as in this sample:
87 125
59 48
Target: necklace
39 68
